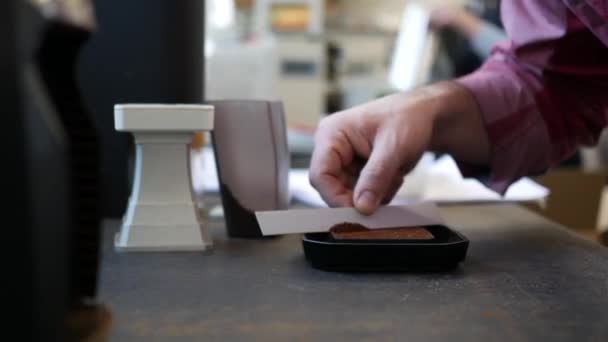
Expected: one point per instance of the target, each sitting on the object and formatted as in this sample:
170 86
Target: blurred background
66 63
322 56
319 57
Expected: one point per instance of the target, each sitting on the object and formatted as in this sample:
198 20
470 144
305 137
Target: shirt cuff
517 132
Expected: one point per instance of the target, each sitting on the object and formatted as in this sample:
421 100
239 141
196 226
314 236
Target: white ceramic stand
162 214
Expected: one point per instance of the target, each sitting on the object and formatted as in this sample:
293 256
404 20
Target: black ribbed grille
57 63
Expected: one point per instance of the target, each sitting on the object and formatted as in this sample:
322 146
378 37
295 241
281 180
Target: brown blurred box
575 197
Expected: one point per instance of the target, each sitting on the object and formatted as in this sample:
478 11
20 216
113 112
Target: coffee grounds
355 231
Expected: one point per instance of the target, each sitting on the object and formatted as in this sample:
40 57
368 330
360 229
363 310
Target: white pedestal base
146 239
162 214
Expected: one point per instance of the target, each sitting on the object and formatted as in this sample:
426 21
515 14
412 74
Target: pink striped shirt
543 93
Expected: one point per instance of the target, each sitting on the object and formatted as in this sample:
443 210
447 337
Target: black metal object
442 253
51 170
144 51
51 165
56 59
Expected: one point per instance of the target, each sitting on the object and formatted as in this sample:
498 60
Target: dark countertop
524 279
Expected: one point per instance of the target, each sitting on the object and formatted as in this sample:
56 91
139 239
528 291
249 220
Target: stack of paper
432 180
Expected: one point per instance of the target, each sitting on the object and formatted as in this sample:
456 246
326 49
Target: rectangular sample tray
444 252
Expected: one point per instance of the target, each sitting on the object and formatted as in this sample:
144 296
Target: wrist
445 100
452 103
438 104
458 126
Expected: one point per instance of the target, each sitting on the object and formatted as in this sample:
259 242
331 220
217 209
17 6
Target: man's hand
390 134
362 154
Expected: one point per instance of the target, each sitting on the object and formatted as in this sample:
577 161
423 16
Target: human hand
362 154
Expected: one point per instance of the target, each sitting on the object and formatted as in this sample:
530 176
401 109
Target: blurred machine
302 55
237 67
53 171
295 16
65 166
361 68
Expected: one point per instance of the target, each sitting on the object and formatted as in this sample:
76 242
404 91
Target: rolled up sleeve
517 131
537 115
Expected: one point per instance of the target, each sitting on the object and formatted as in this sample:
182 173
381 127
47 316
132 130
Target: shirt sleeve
540 102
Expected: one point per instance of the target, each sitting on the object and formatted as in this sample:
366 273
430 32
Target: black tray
444 252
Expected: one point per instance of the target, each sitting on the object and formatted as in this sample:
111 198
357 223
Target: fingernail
367 202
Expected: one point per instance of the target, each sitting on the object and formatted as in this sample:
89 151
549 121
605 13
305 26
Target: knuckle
313 178
324 122
377 173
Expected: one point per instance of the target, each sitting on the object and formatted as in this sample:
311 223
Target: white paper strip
321 220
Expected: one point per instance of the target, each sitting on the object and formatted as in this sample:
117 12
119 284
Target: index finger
327 170
332 185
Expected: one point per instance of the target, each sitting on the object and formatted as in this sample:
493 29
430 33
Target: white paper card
321 220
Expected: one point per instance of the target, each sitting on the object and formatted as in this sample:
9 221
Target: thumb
378 174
